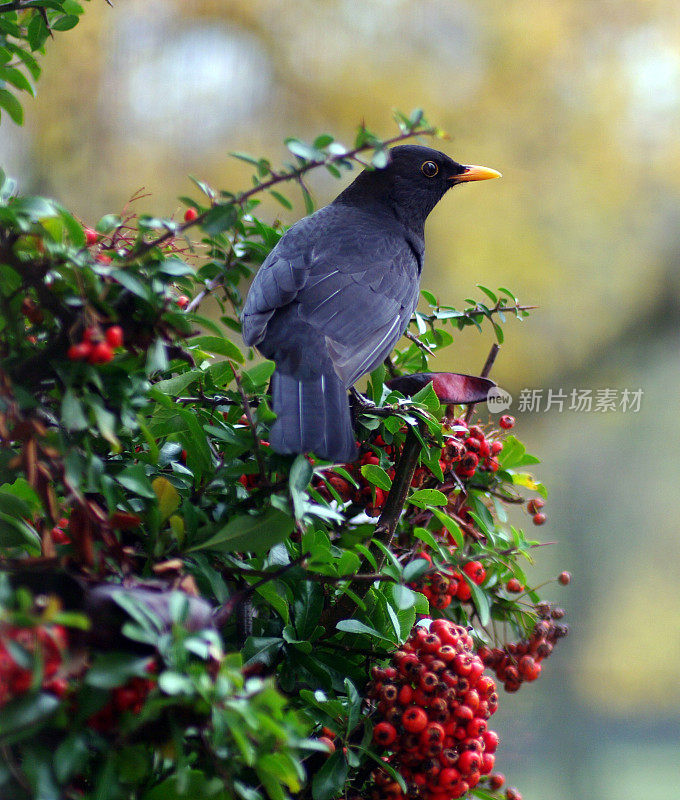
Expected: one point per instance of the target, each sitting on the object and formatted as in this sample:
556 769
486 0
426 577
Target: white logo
498 400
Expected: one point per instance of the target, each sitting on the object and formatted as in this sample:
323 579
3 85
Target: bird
337 291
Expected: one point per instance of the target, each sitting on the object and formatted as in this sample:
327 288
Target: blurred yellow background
578 104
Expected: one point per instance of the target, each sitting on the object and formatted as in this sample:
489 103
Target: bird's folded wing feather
356 286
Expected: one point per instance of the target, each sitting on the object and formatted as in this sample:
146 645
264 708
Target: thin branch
251 422
388 521
486 369
505 497
472 313
294 174
368 577
418 342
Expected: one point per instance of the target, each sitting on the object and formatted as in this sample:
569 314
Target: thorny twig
294 174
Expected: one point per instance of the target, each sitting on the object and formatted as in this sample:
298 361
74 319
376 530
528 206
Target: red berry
476 727
463 591
506 422
535 505
79 352
414 719
405 696
182 301
432 736
101 353
564 578
539 519
103 258
384 734
448 777
114 336
512 794
90 334
475 571
91 237
496 780
496 448
513 585
60 537
469 761
190 214
432 643
488 760
490 739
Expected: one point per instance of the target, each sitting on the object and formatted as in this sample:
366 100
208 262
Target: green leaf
414 569
135 479
217 345
488 293
110 670
108 223
14 506
402 596
451 526
16 78
65 23
329 780
12 106
323 140
25 712
37 32
188 784
220 218
355 626
106 423
307 608
178 383
301 474
428 397
14 532
72 412
285 202
427 497
258 375
156 357
250 533
377 476
481 601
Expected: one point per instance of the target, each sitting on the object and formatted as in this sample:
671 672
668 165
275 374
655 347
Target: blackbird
335 295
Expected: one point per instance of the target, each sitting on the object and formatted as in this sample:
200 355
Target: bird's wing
277 283
354 279
360 293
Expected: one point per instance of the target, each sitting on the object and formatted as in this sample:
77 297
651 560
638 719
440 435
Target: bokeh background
578 104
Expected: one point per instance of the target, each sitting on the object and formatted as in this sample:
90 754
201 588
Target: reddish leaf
450 387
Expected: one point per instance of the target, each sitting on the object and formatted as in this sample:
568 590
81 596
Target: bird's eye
429 169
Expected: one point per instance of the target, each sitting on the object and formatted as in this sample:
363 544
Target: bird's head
413 181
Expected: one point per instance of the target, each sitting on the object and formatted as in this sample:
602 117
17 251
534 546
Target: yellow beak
474 173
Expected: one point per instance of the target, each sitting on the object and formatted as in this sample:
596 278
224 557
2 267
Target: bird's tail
313 415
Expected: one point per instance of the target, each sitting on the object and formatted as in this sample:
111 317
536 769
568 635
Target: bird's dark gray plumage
334 296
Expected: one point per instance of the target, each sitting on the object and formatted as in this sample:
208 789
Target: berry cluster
16 679
466 449
441 587
130 697
517 662
434 703
95 348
